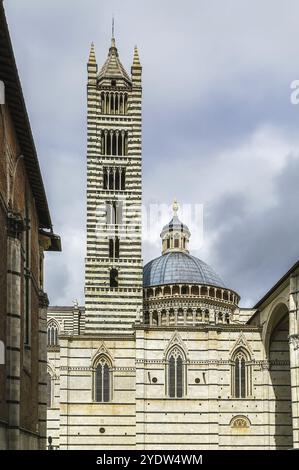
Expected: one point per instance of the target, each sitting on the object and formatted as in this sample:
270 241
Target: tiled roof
179 268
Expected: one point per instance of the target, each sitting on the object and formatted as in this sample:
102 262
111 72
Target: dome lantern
175 235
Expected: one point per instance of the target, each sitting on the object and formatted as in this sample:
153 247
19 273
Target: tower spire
113 27
92 67
113 44
92 57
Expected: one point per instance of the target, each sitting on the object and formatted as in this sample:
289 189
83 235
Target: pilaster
294 354
15 227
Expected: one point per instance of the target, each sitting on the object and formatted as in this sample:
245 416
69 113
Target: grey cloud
254 251
215 73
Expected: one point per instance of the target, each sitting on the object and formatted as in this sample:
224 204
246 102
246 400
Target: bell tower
113 266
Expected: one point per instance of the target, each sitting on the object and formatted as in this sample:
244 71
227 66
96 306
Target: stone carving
241 343
294 341
43 300
102 350
265 365
176 340
240 422
15 225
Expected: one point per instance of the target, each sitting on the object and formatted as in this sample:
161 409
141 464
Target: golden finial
175 207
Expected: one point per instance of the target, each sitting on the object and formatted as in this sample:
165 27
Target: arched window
52 333
114 102
114 247
114 142
113 278
176 241
114 210
176 373
114 178
49 390
103 381
241 374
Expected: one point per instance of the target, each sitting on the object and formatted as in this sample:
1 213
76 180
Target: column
118 101
122 142
42 379
117 134
265 379
105 140
294 355
13 337
114 178
109 103
175 316
111 142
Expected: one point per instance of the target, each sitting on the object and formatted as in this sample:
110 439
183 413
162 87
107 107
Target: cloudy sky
219 128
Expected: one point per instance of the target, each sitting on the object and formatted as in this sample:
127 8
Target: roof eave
277 285
16 104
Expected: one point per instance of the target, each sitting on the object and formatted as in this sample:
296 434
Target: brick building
25 233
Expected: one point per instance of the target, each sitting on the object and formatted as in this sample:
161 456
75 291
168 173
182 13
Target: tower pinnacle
92 57
136 61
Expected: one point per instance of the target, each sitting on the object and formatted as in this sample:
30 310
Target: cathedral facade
161 357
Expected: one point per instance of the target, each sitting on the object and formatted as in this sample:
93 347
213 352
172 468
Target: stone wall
20 378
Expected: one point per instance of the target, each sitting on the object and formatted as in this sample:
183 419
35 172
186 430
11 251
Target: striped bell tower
113 267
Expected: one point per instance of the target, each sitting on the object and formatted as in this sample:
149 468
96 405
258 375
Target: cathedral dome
179 268
176 265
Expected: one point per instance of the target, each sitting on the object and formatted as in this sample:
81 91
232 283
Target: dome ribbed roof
173 225
179 268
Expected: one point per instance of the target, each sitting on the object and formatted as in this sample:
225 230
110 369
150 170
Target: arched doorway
281 430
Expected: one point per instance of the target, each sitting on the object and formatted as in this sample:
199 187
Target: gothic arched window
52 330
103 380
176 373
241 374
